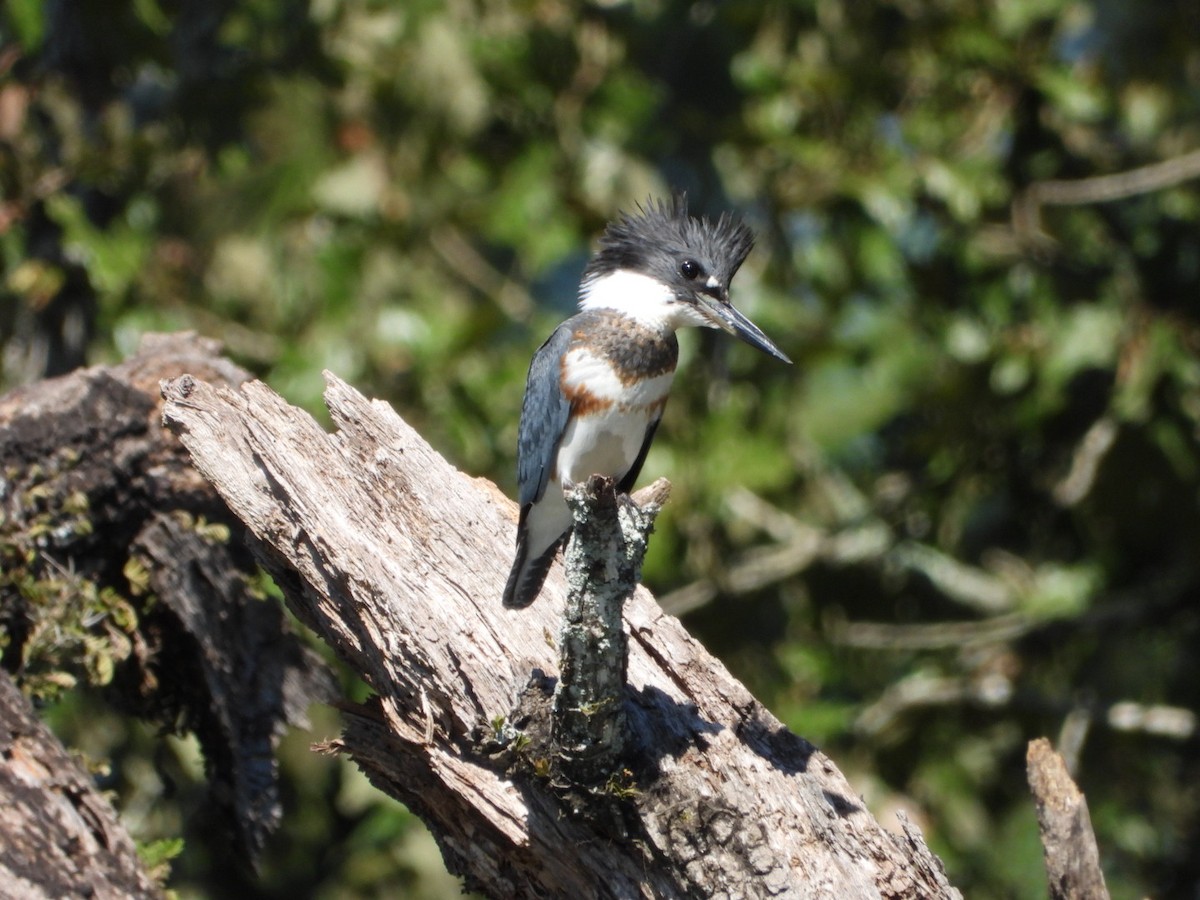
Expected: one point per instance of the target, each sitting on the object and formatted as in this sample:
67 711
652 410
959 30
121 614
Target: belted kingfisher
597 387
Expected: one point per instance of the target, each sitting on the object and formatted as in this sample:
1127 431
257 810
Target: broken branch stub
1069 848
604 564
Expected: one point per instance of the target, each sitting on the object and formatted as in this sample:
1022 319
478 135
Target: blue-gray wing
544 415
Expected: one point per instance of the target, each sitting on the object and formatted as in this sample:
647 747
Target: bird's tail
527 575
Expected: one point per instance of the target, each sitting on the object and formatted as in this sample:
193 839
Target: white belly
604 444
607 443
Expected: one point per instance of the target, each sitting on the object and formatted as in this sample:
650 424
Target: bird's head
661 265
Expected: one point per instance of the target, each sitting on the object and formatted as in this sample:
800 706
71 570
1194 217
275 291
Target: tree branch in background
473 267
1027 207
1069 846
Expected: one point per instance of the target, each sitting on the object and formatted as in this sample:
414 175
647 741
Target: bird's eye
690 269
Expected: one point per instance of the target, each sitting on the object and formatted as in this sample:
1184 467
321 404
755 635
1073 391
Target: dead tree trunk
397 560
119 566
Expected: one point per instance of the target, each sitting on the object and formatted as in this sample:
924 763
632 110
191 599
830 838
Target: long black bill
727 318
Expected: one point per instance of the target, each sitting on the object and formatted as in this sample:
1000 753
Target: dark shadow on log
665 728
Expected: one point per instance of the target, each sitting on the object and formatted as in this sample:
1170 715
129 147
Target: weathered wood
95 495
58 836
1068 842
398 561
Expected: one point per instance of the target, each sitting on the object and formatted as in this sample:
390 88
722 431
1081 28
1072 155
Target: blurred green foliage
966 518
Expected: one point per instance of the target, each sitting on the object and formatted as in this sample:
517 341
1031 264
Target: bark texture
1068 842
398 561
58 836
121 566
604 558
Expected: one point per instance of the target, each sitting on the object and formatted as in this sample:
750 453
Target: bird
597 387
